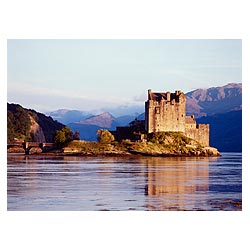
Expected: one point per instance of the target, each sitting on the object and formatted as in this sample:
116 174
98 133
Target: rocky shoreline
137 148
126 148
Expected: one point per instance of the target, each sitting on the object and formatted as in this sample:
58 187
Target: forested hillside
29 125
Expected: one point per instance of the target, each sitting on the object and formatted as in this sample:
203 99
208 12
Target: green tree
104 136
68 133
10 127
63 136
59 137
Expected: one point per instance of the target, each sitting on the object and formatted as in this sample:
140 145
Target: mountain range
221 107
88 127
66 116
199 102
207 102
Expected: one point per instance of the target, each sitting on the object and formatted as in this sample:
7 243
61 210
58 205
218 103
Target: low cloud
44 100
140 98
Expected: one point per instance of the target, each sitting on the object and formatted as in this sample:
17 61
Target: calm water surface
129 183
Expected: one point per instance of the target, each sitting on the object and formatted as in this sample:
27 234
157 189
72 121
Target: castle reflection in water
177 183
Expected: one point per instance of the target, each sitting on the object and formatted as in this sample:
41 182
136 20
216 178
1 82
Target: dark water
130 183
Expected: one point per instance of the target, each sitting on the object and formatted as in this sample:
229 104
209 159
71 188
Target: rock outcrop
36 131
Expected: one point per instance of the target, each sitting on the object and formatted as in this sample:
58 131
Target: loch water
70 183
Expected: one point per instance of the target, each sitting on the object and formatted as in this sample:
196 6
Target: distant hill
88 127
141 116
124 120
27 124
87 132
207 102
225 131
66 116
105 120
120 113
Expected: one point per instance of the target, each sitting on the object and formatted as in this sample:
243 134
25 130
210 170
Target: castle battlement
166 97
202 126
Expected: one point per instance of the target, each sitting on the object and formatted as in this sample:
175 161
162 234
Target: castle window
157 110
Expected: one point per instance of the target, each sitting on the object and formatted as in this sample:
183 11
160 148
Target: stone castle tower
167 112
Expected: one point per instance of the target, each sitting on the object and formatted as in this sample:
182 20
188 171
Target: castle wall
200 134
167 114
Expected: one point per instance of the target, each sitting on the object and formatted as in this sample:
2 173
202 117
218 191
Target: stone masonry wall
200 134
166 115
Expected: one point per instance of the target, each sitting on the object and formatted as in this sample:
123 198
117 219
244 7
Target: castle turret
149 94
165 112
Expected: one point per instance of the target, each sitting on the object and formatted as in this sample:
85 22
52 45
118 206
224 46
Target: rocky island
157 144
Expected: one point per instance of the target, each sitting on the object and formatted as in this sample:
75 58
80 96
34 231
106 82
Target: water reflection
129 183
177 183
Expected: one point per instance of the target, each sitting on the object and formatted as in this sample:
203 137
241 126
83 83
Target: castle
165 111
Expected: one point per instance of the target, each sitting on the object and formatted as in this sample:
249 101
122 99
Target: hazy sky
96 74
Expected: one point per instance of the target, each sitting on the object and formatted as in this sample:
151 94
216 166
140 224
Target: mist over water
124 183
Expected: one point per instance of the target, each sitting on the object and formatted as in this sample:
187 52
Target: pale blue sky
103 74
